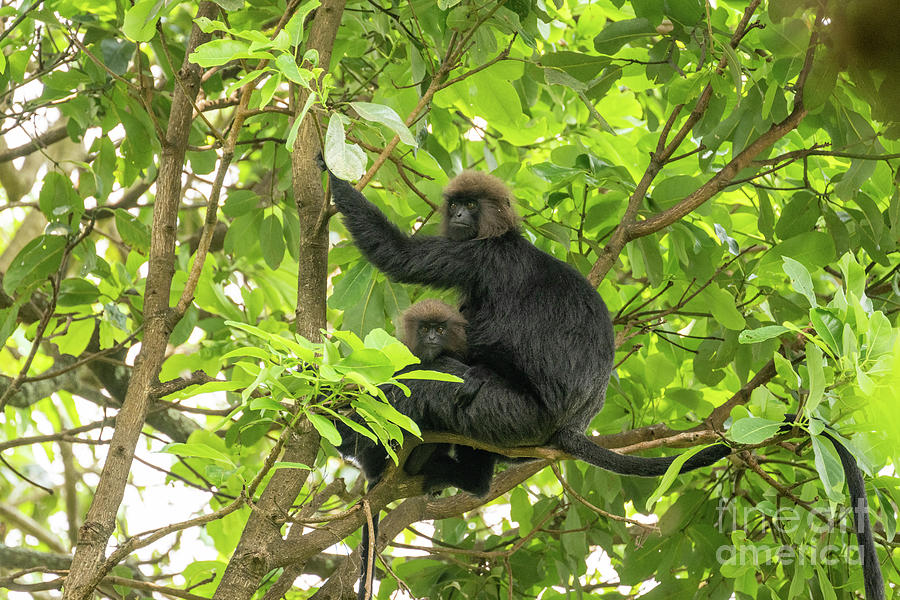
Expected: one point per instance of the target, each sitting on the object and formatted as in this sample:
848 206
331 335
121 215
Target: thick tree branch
252 559
48 138
88 567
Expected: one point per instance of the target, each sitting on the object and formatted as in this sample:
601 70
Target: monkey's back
535 314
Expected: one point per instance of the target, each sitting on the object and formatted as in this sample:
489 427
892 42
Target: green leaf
140 20
247 352
132 231
583 67
197 450
8 321
288 67
828 465
357 295
721 304
618 33
230 4
206 388
294 26
669 478
240 202
396 300
386 116
117 54
798 216
874 221
829 328
271 241
800 279
40 258
430 375
295 126
346 161
58 199
753 430
754 336
266 404
360 429
74 292
813 249
734 69
220 51
786 371
686 12
78 335
672 190
559 77
284 464
387 412
820 83
521 508
349 338
815 368
325 428
371 363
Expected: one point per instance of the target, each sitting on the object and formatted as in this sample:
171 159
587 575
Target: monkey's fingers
467 391
320 161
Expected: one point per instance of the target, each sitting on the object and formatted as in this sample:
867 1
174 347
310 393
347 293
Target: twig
597 509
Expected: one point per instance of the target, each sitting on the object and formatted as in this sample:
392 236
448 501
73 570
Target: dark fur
872 578
445 465
873 581
434 311
535 323
441 465
537 326
497 214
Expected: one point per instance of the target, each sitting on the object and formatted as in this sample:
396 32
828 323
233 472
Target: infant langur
435 332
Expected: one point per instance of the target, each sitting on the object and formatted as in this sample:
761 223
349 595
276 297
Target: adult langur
538 334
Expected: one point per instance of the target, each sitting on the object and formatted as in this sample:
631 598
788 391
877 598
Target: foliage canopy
724 172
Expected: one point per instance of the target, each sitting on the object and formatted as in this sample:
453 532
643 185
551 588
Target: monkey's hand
320 162
473 379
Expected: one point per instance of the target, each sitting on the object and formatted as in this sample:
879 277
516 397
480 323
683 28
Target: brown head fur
497 213
432 310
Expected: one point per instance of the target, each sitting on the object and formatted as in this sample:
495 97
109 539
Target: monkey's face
431 340
462 218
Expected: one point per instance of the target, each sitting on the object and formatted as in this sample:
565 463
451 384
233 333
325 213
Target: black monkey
539 335
432 330
435 333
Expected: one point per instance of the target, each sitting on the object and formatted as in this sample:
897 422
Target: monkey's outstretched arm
426 260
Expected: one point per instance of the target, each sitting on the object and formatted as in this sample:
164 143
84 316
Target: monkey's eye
440 330
471 205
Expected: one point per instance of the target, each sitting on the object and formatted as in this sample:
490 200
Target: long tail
872 578
578 445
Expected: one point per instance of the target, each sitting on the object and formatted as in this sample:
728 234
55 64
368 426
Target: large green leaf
618 33
386 116
36 261
346 161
